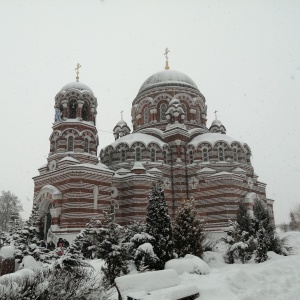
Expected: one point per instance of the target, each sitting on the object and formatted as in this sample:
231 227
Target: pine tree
158 225
111 249
82 246
188 232
263 241
240 237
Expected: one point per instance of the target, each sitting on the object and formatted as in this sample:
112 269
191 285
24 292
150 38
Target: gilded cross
215 112
77 71
166 55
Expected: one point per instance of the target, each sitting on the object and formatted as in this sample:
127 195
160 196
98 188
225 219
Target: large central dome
167 77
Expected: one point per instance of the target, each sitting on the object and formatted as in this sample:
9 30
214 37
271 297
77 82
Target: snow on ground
276 279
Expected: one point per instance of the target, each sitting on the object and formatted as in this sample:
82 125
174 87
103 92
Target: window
197 116
138 154
191 156
111 157
205 154
72 109
123 155
221 153
163 109
153 154
165 156
235 154
184 109
146 116
86 145
56 145
85 112
70 143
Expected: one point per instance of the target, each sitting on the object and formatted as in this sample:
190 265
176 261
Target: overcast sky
244 57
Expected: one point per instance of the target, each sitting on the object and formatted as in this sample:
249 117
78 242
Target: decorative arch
162 97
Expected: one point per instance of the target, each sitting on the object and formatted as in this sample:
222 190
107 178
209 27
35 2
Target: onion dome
217 127
77 86
121 129
168 77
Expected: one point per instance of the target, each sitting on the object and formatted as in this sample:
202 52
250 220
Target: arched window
70 143
55 145
86 145
138 154
221 153
163 109
205 156
73 109
191 156
235 154
85 112
197 116
146 116
123 155
165 156
111 157
184 109
153 154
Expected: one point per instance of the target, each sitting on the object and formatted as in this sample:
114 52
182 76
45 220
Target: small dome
76 85
216 122
121 123
168 77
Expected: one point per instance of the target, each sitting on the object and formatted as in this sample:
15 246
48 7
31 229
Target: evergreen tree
158 225
82 246
111 249
263 240
188 232
241 244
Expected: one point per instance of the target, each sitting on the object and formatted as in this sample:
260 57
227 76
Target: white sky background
243 55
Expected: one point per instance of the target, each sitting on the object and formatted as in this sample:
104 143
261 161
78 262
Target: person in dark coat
60 243
51 246
66 243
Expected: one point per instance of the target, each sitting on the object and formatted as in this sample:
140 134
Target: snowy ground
276 279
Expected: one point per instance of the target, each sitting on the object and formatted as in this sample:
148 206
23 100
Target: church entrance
45 222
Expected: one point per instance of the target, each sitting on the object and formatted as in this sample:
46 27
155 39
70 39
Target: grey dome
76 85
168 77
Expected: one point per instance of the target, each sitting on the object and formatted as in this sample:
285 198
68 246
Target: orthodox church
170 142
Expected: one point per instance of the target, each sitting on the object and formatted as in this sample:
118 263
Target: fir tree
111 249
188 232
158 225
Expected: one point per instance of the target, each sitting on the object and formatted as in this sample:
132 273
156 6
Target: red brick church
170 141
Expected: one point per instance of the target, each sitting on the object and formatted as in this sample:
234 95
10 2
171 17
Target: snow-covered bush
61 281
145 258
190 264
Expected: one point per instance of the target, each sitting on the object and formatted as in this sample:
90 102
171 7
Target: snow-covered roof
76 85
206 171
121 123
70 158
131 138
216 122
238 170
123 171
138 166
212 138
167 77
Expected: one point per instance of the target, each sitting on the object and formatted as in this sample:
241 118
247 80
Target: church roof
76 85
131 138
212 138
168 77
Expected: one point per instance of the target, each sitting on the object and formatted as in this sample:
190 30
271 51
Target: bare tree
10 207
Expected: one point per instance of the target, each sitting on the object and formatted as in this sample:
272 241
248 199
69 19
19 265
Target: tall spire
166 55
77 71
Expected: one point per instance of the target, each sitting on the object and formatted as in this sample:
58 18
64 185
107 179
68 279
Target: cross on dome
166 55
77 71
215 112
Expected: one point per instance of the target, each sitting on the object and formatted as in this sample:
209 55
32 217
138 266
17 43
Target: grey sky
244 57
